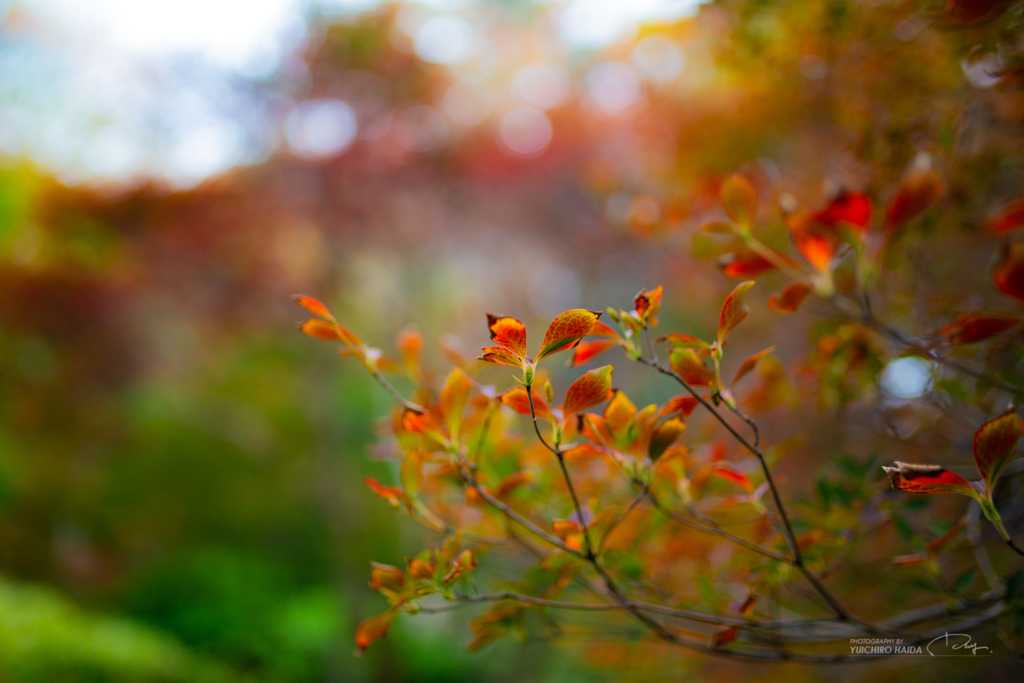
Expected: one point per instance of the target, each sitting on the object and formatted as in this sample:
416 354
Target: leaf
664 436
747 263
501 356
411 472
648 304
586 351
685 341
850 208
386 577
1009 274
790 299
994 443
587 391
453 400
421 569
718 228
1009 218
733 310
973 327
409 344
564 527
392 494
739 199
750 363
684 405
928 479
815 242
619 413
725 470
509 333
373 629
313 306
518 400
600 329
321 329
725 635
922 186
566 330
689 366
510 483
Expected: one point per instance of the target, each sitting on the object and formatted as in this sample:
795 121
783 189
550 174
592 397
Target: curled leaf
733 310
386 577
509 333
848 208
994 443
790 299
314 306
421 569
587 391
928 479
647 305
685 341
684 405
566 330
664 436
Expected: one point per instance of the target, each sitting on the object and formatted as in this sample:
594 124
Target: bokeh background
180 469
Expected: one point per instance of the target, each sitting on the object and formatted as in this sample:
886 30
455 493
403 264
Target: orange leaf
421 569
519 401
384 576
746 263
910 560
563 527
1009 218
409 344
994 443
733 310
600 329
392 494
313 306
922 186
411 471
739 199
321 329
664 436
685 341
1009 274
928 479
566 330
972 327
750 362
815 242
509 333
688 365
511 483
586 351
453 400
501 356
373 629
685 405
790 299
587 391
584 452
718 228
418 422
619 413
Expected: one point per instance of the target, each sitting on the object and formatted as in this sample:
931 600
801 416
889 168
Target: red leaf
392 494
817 243
1009 274
685 405
928 479
517 400
586 351
994 443
600 329
566 330
750 362
648 304
790 299
313 306
688 365
726 471
851 208
733 310
922 186
587 391
508 332
726 635
373 629
744 264
972 327
739 199
1009 218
